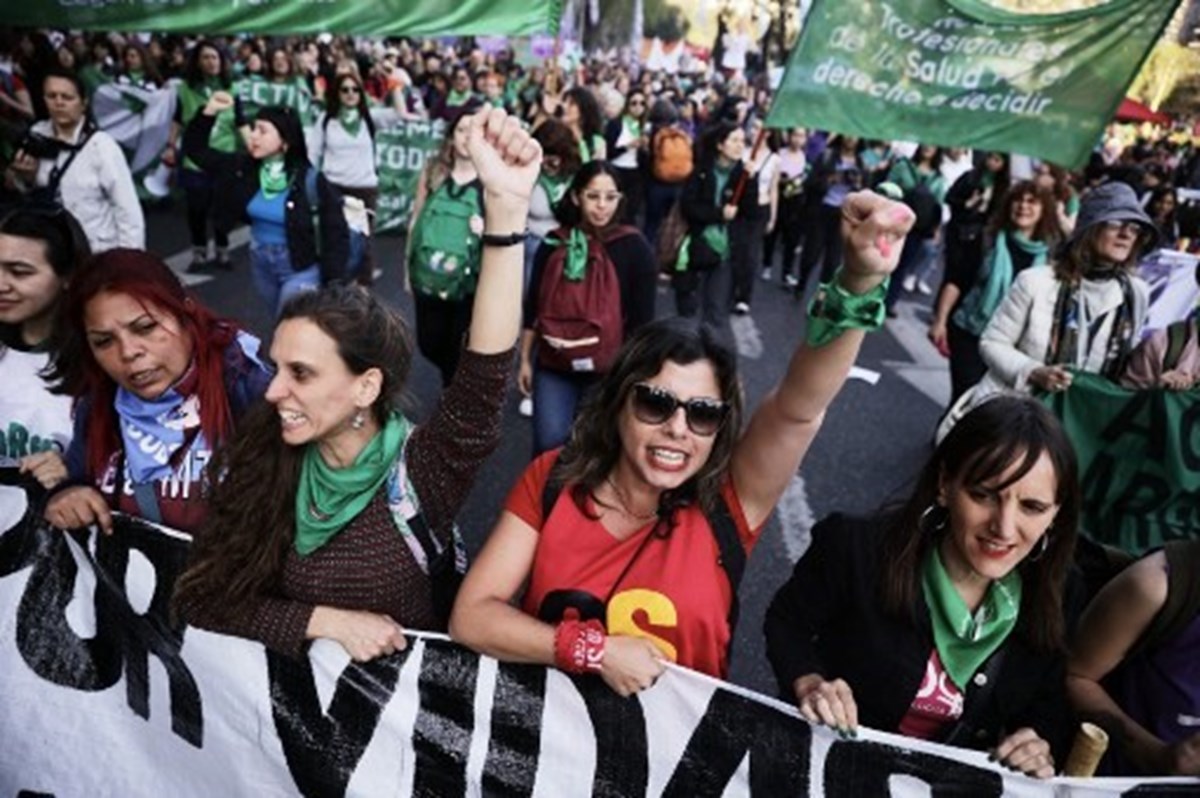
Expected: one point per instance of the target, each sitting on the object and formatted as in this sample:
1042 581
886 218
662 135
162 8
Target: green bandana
329 498
633 128
272 176
351 121
555 186
588 150
964 642
577 254
457 98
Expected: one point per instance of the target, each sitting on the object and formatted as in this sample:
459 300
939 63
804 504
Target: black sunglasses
349 88
653 405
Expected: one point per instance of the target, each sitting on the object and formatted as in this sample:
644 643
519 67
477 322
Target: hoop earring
359 420
933 519
1045 544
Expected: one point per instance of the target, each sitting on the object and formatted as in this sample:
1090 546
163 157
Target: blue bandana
153 430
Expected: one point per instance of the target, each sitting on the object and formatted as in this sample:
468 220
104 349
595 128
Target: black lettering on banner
515 740
1189 436
445 719
732 727
1095 487
323 748
622 767
1144 494
1161 791
154 632
1130 421
863 768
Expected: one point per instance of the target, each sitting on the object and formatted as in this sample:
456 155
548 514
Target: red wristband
579 646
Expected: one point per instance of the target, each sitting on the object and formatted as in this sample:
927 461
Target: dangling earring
359 420
1045 544
933 519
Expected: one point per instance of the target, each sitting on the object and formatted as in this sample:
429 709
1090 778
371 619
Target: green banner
1139 461
365 17
962 73
400 153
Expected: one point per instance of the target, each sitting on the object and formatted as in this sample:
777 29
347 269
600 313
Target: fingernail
884 246
900 214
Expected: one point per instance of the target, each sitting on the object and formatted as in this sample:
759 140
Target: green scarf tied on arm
329 498
272 176
577 254
965 641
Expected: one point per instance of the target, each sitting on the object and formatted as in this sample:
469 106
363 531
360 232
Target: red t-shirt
675 592
938 702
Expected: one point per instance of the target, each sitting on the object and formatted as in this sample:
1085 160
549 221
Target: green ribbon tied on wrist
834 310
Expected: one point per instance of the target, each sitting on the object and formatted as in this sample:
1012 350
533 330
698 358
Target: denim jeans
556 398
275 279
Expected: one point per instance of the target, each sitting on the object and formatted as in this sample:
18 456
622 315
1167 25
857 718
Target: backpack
355 213
443 253
579 322
672 161
732 555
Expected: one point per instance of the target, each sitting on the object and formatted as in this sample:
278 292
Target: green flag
364 17
963 73
400 153
140 121
1139 461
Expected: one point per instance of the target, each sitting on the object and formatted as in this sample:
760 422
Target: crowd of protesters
561 190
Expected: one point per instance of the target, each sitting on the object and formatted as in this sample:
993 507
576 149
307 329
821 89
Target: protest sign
964 73
105 694
1171 277
400 153
277 17
1139 460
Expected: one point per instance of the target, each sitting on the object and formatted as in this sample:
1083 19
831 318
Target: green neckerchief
136 76
457 98
272 176
588 150
555 186
351 120
981 301
964 642
717 235
632 127
329 498
577 253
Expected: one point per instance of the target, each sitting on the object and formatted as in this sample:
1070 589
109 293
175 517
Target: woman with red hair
159 382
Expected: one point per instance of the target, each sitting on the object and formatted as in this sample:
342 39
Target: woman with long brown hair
335 516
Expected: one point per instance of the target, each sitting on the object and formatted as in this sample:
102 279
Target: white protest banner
140 121
103 694
1174 293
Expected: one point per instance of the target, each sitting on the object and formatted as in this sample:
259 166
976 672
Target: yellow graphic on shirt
659 611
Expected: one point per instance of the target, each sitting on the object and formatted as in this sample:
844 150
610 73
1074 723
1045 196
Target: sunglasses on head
654 405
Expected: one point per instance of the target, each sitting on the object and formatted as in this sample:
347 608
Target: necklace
624 504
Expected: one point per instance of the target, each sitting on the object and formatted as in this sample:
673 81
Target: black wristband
510 240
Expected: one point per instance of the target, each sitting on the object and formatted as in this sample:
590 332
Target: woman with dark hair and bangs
41 249
946 619
159 383
581 112
638 511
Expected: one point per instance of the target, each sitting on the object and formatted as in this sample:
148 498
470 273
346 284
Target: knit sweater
367 565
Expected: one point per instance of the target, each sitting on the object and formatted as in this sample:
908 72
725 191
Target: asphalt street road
874 439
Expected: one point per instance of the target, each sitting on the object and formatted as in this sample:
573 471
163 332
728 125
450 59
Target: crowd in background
622 177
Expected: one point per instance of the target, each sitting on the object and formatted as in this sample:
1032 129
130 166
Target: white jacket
98 190
1016 339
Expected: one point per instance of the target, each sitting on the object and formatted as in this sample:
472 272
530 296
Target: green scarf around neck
965 641
272 176
329 498
555 186
632 127
351 120
717 235
980 303
457 98
575 266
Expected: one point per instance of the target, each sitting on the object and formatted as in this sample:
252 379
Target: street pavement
874 440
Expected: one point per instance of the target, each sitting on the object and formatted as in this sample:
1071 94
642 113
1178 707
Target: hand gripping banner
102 694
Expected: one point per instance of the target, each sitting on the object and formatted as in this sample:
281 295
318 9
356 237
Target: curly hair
1047 230
595 447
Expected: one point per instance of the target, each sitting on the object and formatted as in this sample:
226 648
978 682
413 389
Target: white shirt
98 190
31 418
345 160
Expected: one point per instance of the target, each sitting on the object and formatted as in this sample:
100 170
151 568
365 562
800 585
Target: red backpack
579 322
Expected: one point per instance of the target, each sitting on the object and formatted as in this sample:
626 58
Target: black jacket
700 208
236 176
828 619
